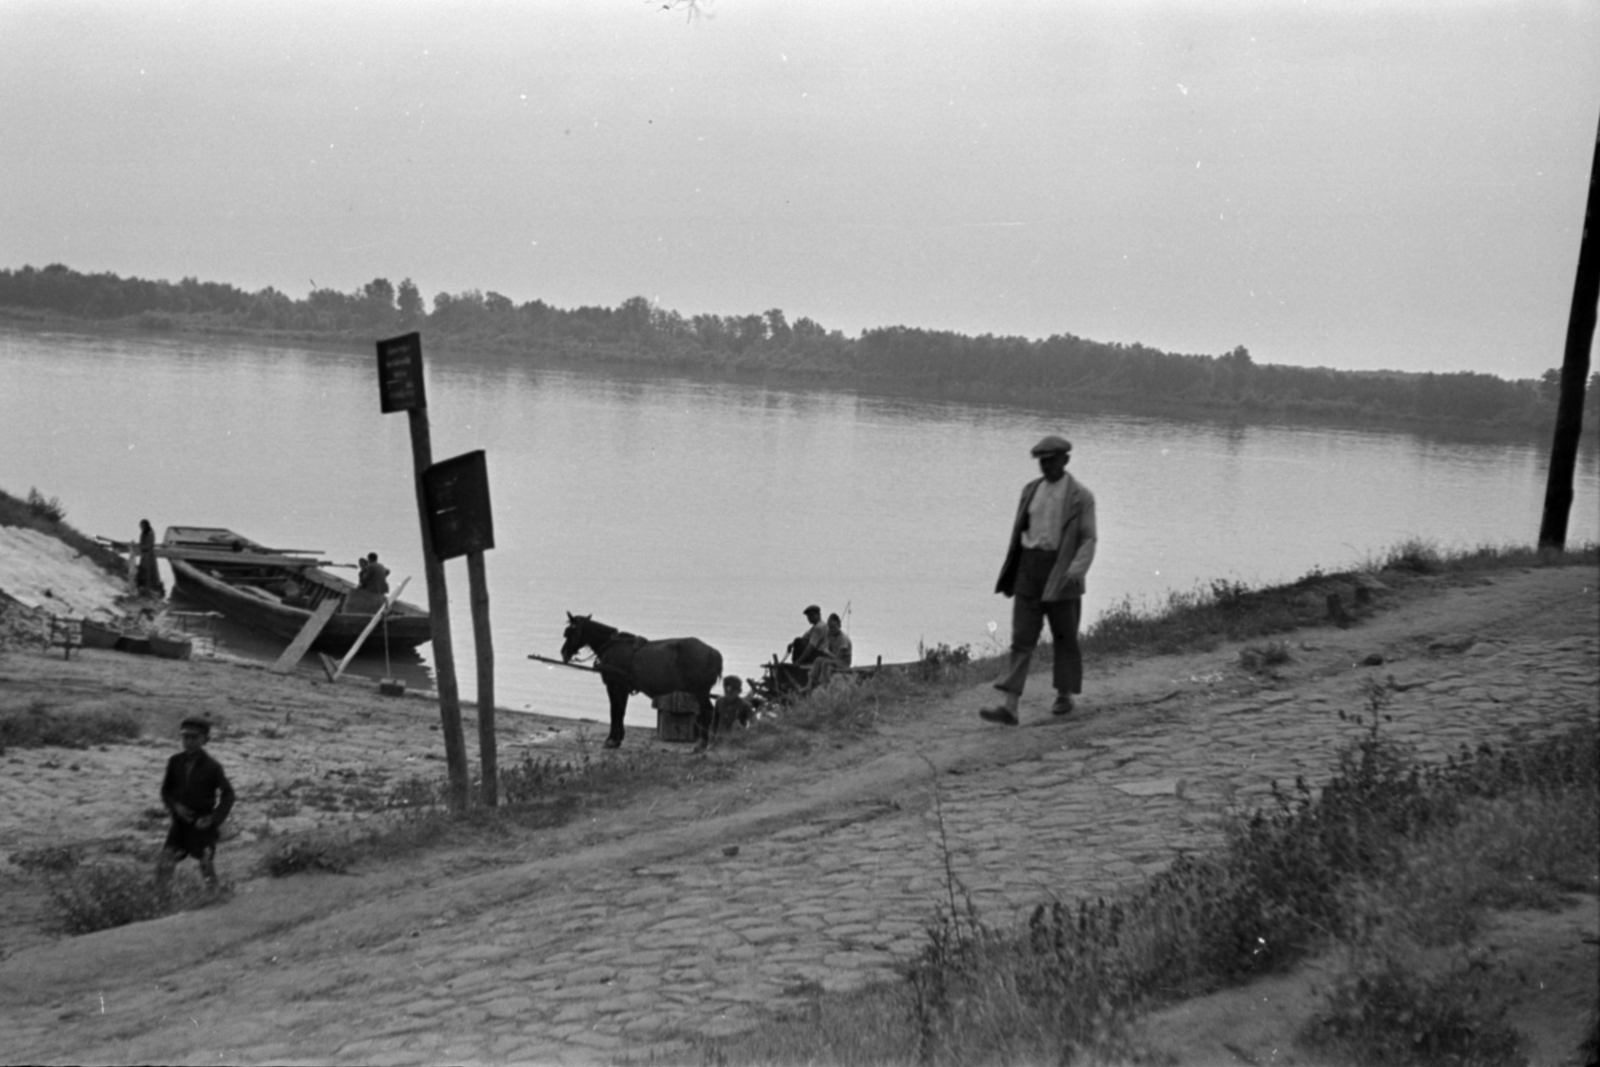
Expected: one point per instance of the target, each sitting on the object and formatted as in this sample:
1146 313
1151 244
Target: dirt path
703 909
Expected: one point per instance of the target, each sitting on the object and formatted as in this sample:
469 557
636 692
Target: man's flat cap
812 608
200 726
1052 444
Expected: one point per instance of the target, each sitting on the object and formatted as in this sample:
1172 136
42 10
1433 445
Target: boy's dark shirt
732 709
197 787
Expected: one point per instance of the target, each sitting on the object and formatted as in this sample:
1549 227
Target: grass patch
98 897
1223 611
48 516
536 792
39 726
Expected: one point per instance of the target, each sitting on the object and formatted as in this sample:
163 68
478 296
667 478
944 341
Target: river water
673 506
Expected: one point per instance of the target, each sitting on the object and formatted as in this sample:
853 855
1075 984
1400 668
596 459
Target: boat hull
243 593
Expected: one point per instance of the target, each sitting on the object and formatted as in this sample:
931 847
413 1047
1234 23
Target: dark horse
631 664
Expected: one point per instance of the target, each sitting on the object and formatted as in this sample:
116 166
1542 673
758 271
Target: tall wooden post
1574 372
483 640
400 389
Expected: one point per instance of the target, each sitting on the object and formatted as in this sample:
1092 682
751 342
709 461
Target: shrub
1416 556
52 859
1257 658
100 896
49 510
1387 1015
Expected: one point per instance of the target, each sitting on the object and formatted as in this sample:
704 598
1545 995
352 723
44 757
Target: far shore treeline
1062 369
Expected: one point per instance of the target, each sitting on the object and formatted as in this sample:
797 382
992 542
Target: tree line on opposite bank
1060 368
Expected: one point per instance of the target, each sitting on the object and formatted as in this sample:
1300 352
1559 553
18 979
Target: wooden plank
334 672
222 555
308 633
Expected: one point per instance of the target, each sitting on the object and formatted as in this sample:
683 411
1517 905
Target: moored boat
277 591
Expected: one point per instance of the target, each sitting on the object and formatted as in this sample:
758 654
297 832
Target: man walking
1052 545
199 797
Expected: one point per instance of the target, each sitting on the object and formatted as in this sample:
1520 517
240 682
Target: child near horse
732 707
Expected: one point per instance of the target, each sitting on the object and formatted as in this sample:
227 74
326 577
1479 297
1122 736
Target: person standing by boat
197 794
1053 540
374 575
147 579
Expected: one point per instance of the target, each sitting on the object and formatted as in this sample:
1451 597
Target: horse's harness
616 638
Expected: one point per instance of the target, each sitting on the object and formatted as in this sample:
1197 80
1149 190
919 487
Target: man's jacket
1077 543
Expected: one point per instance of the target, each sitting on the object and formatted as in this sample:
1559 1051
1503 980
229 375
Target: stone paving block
1149 788
509 1007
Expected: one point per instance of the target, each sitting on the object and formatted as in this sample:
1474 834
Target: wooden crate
675 715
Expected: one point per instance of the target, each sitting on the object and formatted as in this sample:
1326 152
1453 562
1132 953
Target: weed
297 854
415 793
101 896
39 726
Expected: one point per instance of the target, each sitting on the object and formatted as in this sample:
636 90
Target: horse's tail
709 669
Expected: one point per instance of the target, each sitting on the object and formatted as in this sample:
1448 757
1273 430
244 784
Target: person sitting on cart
814 642
836 651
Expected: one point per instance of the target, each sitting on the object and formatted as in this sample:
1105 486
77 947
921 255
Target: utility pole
1574 372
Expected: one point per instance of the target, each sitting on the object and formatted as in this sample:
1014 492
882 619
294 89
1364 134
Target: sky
1395 184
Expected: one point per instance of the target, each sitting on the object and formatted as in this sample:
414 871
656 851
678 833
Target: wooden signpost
463 525
401 388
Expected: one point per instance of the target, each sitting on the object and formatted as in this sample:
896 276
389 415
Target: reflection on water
685 507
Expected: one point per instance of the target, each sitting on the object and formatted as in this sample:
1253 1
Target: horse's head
574 637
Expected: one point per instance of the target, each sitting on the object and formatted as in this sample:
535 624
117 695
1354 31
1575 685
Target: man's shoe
1001 715
1062 706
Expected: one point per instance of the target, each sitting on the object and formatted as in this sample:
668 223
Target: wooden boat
95 634
276 591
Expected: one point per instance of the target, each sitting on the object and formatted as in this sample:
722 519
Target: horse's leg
619 707
704 719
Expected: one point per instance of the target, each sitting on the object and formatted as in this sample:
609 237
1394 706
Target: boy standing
197 793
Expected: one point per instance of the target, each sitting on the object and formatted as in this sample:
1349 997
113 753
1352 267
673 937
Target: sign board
400 374
458 505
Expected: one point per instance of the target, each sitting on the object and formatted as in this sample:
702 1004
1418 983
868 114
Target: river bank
747 887
575 355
